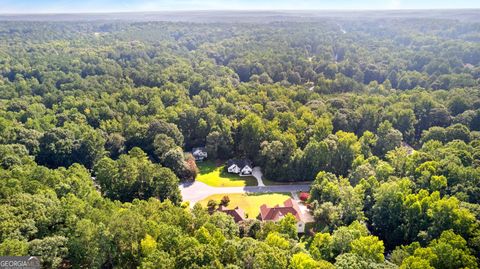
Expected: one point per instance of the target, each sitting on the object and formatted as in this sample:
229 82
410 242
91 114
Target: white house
199 153
246 171
242 167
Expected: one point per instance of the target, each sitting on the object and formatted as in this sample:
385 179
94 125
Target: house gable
247 170
233 169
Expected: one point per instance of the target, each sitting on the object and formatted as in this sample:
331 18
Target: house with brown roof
237 213
277 212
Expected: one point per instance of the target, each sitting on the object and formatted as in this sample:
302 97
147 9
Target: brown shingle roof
238 214
277 212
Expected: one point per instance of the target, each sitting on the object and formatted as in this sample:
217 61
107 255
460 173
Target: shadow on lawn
206 167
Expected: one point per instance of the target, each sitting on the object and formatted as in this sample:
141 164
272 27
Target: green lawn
215 175
250 203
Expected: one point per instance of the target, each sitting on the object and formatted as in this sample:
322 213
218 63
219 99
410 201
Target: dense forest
381 115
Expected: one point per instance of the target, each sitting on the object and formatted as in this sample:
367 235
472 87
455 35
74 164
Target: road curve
197 191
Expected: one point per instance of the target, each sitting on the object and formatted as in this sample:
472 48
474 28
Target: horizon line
236 10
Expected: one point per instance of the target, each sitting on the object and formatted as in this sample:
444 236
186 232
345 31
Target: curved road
197 191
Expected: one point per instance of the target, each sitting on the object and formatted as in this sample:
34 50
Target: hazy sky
53 6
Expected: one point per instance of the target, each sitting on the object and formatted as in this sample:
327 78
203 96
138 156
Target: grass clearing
250 203
214 175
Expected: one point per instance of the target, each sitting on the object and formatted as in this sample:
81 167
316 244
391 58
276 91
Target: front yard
214 174
250 203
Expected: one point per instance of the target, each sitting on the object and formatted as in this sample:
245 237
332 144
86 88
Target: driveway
306 214
197 191
257 173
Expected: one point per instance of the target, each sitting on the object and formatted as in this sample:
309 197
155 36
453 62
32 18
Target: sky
81 6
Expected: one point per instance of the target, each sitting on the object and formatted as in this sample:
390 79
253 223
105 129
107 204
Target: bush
304 196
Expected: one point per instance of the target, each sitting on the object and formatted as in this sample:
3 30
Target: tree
175 160
303 261
387 211
350 260
225 200
157 260
225 224
169 129
134 176
457 131
347 149
276 156
325 188
211 205
322 128
388 138
413 262
321 247
91 147
251 131
57 147
126 232
13 247
398 160
367 142
327 215
345 235
86 244
434 133
288 226
458 105
369 248
304 196
162 144
219 144
448 251
316 157
446 214
52 250
115 145
452 252
274 239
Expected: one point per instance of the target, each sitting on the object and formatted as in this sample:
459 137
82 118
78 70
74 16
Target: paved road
198 191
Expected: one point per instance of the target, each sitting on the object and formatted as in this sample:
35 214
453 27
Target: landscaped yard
250 203
214 175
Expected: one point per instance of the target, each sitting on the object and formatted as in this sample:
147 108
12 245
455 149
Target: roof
198 149
237 213
278 212
239 162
